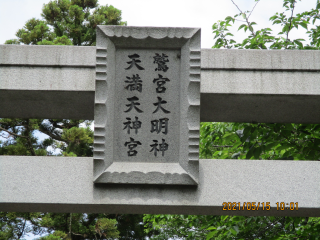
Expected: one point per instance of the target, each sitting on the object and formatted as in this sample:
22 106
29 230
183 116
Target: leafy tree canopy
267 141
63 22
68 22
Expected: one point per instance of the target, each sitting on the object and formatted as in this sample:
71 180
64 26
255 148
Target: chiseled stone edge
193 115
146 173
145 32
101 168
135 177
100 105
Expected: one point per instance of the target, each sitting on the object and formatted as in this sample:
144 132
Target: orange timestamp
255 206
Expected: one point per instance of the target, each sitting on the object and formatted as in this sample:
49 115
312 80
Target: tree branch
290 22
50 134
5 136
239 20
11 133
20 233
31 147
251 29
253 8
236 6
247 20
33 153
70 232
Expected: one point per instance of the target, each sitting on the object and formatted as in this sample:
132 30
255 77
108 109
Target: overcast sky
173 13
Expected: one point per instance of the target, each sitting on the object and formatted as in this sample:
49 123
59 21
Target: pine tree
64 22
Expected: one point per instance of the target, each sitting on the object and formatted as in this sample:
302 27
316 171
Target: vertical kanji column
151 104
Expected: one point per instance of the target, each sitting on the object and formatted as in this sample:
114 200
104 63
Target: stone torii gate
236 86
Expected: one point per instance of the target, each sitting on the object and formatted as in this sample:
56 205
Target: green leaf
223 218
211 228
236 218
284 147
250 153
270 145
236 229
210 235
256 152
246 133
276 22
298 43
285 28
304 25
227 134
242 26
273 17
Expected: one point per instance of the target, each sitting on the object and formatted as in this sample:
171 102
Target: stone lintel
34 184
236 85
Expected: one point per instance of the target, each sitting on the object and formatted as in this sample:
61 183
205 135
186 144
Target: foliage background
267 141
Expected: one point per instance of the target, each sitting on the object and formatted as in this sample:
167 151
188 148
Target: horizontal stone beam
260 86
64 184
236 85
47 81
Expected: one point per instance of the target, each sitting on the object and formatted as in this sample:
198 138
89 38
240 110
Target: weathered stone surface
47 104
147 105
56 184
256 108
47 81
47 78
44 55
292 75
252 59
260 82
260 86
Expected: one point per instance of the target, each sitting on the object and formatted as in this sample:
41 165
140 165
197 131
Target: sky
165 13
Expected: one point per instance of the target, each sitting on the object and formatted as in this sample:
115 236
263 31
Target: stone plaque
147 105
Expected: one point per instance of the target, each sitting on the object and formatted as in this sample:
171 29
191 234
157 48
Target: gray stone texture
260 86
47 81
260 82
46 104
147 97
55 184
236 85
47 78
251 59
181 104
60 56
